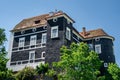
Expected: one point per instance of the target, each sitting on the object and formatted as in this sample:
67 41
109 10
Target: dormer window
37 21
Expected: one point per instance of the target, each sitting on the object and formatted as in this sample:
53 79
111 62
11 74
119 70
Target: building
39 39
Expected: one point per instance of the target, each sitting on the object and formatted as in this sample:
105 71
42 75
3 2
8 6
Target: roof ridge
35 16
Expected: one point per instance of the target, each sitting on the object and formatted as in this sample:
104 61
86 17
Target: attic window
37 21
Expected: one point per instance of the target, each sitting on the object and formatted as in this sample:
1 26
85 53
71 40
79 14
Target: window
37 21
22 32
54 32
97 39
31 55
43 55
34 29
44 36
33 40
21 42
54 19
98 48
90 46
105 64
68 35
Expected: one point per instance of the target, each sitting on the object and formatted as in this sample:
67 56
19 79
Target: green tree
5 74
77 63
28 73
41 69
114 71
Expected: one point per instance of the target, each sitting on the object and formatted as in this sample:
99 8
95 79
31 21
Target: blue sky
91 14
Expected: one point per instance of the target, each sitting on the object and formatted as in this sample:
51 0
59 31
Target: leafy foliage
42 68
114 70
28 73
77 63
2 36
5 74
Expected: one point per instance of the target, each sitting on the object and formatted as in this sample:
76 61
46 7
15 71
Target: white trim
34 29
76 39
43 53
63 15
29 47
98 48
44 35
55 19
97 39
10 49
68 19
33 39
31 55
21 66
21 42
30 33
68 33
108 37
105 64
78 35
45 27
52 34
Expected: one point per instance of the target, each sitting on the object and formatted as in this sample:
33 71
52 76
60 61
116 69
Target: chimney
84 31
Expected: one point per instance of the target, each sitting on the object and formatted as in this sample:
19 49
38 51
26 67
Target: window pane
32 55
98 48
44 36
68 35
54 32
43 54
21 42
90 46
33 40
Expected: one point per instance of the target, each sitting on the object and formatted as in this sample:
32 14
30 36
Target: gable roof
30 22
94 33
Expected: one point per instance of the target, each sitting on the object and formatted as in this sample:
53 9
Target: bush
28 73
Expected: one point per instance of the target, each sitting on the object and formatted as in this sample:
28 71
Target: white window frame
98 48
52 34
30 54
44 38
42 55
21 42
105 64
90 46
33 39
68 33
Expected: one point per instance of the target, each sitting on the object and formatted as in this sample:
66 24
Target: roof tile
94 33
